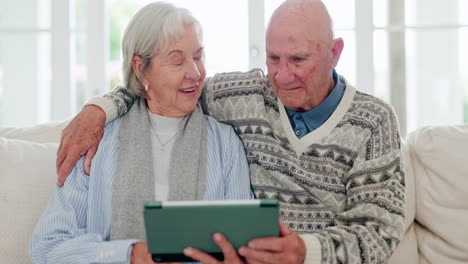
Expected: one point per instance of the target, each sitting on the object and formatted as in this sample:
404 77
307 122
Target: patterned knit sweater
342 183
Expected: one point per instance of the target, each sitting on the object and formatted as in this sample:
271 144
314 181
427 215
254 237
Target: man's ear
337 48
137 64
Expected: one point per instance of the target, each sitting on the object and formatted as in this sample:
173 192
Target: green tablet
173 226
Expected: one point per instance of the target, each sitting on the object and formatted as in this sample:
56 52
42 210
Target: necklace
163 145
167 122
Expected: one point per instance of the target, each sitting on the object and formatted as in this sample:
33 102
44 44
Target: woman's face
175 77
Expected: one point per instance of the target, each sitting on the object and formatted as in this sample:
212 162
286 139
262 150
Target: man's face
299 64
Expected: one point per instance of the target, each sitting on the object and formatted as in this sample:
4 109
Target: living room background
55 54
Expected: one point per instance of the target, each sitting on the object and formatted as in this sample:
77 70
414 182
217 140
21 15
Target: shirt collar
316 116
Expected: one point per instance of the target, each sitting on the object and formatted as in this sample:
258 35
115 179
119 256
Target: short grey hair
151 30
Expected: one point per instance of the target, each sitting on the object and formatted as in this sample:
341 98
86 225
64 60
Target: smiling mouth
188 90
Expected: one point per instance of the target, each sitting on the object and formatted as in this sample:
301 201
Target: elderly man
328 152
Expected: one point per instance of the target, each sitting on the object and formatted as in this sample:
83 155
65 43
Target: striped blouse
75 226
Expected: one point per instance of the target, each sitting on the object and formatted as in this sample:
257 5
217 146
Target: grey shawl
133 184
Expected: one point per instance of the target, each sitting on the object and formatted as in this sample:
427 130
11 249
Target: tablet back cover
170 229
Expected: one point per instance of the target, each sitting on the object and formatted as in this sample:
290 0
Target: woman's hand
230 254
140 254
80 137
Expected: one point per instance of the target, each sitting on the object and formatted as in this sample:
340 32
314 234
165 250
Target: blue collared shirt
305 122
75 227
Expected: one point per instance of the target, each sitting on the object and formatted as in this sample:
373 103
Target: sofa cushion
441 193
407 250
27 180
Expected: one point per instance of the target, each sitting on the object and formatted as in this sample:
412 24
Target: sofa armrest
441 180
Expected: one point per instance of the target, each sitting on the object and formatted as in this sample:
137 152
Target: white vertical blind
24 48
365 46
98 47
257 56
63 97
434 88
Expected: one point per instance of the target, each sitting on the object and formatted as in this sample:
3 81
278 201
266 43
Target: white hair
151 30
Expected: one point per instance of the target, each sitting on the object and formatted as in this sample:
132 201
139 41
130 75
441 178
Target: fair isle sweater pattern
342 182
346 187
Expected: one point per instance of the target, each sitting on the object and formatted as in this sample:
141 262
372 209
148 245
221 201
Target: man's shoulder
369 111
363 101
234 86
227 80
223 76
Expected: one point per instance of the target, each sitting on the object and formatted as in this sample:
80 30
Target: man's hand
80 137
230 254
287 249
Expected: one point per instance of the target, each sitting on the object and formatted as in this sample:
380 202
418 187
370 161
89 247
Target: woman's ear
137 64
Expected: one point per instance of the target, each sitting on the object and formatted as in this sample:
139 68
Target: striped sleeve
62 233
231 180
236 168
60 236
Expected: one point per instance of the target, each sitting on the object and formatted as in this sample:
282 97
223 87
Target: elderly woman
163 149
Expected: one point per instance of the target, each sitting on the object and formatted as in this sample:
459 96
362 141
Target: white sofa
436 165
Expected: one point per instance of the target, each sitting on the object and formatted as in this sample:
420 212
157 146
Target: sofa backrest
436 167
49 132
27 180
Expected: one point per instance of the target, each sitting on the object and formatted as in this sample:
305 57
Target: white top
166 129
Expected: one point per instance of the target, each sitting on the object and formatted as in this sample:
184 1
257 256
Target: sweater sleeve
313 249
371 227
115 103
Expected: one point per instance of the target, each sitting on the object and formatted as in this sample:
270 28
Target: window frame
63 91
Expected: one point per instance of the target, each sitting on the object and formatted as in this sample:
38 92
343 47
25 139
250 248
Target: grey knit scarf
133 184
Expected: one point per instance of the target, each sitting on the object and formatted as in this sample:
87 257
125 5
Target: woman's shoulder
218 129
111 131
222 139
